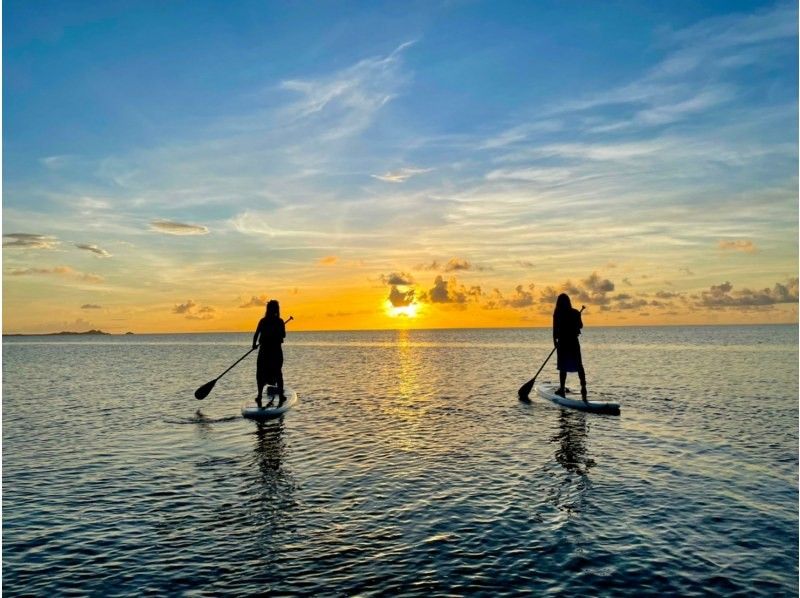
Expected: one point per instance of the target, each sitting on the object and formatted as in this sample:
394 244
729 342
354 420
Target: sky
170 166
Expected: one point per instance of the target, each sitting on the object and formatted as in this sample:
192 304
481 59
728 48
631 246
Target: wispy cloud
178 228
743 245
94 249
91 306
57 271
401 175
328 260
29 241
346 102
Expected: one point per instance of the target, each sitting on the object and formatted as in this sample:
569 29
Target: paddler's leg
582 376
562 379
260 384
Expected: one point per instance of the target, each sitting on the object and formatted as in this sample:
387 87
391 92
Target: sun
409 311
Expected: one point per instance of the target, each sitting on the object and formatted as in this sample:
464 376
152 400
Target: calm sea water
408 467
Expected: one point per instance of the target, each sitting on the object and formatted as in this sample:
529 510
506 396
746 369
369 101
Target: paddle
525 389
202 392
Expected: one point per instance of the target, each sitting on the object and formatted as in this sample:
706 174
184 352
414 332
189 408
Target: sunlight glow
409 311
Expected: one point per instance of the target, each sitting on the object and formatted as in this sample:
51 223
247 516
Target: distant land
65 332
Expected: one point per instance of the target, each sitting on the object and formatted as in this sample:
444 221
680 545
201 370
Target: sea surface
408 467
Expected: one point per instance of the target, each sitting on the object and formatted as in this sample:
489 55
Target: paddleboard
548 391
252 411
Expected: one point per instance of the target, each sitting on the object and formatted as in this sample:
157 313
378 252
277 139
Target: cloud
521 297
668 295
91 306
397 278
548 295
177 228
434 265
455 264
203 313
534 175
625 302
450 291
743 245
260 301
593 290
400 298
94 249
723 296
346 102
66 271
193 311
184 308
328 260
29 241
401 175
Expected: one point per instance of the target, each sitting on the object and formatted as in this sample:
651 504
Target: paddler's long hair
562 314
563 305
273 309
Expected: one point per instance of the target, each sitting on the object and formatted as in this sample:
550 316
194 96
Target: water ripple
408 468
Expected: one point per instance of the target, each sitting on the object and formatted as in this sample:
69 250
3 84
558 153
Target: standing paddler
270 332
567 326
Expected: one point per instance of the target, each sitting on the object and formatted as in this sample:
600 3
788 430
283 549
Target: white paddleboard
548 391
252 411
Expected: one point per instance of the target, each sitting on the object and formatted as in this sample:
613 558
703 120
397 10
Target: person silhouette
567 326
269 335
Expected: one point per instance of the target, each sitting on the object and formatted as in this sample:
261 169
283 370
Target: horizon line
103 333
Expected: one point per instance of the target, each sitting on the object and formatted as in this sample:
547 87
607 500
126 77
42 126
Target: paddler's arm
255 336
555 332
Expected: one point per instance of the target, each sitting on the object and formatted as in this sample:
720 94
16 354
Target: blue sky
214 151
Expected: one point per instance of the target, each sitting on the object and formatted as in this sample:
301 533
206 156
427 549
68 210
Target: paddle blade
202 392
525 389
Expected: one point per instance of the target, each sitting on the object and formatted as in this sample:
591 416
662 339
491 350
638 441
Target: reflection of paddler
269 337
571 438
269 448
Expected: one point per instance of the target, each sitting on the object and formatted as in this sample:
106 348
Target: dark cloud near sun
170 227
450 291
400 298
91 306
397 278
29 241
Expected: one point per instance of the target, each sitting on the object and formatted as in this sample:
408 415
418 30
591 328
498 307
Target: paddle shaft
541 368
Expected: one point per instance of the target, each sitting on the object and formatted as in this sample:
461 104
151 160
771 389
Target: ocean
408 467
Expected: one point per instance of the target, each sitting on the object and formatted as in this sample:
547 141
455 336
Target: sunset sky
169 166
